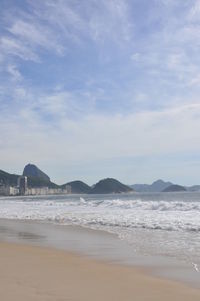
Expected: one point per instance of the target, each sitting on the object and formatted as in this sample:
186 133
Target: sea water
154 224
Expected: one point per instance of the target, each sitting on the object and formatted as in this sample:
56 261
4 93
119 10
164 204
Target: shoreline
95 244
38 273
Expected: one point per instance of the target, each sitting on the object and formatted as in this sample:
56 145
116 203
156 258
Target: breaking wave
108 212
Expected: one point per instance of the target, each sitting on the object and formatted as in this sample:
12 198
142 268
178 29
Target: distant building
6 190
37 191
3 189
67 188
45 191
23 185
23 189
13 190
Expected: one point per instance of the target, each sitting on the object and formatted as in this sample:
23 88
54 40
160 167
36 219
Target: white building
46 191
8 190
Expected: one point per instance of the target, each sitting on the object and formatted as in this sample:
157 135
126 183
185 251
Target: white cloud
135 57
109 16
194 12
94 137
195 81
66 125
55 27
12 46
14 72
34 35
80 21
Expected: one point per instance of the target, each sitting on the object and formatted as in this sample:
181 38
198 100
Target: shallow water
151 225
96 244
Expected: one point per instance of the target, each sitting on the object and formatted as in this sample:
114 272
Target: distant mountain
8 179
78 187
31 170
160 185
12 179
37 178
193 188
110 185
141 187
39 182
156 186
175 188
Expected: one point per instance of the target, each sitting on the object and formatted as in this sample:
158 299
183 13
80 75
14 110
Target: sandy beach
35 273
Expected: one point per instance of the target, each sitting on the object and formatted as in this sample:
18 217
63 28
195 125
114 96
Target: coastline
96 245
38 273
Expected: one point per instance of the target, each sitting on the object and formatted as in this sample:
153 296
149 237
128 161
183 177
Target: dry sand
34 273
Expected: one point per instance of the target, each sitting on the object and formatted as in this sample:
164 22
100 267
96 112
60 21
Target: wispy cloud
35 35
14 72
11 46
96 21
98 137
97 80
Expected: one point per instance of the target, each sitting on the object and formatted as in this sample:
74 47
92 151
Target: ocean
152 224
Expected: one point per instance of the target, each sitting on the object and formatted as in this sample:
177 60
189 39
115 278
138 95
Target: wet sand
95 244
36 273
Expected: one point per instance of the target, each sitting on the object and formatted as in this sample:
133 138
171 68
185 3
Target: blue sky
109 88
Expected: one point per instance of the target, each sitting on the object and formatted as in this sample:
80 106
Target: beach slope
33 273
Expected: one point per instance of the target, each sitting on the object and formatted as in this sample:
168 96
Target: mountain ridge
174 188
78 187
31 170
156 186
110 185
37 178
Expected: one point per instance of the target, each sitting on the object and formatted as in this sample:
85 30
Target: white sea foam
195 267
170 215
153 223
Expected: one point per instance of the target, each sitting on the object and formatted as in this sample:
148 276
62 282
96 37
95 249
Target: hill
31 170
110 185
193 188
12 179
37 178
8 179
174 188
156 186
39 182
78 187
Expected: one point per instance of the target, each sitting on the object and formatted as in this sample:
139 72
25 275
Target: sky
91 89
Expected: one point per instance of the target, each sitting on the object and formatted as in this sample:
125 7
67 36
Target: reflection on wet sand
16 234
